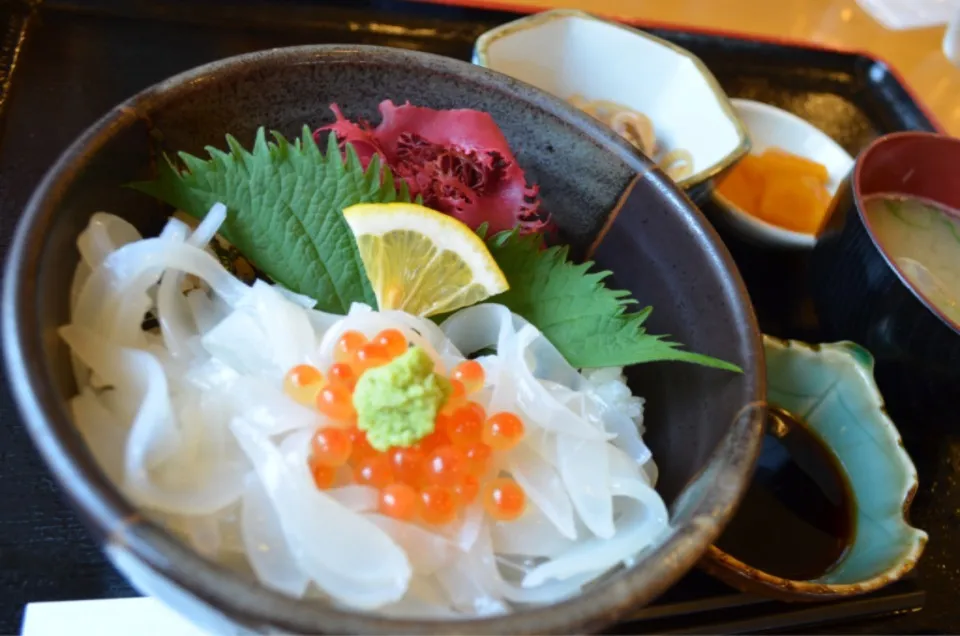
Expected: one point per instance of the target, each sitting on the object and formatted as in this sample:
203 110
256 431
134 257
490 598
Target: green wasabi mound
397 403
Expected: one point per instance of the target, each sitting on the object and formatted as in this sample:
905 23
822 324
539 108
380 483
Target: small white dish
769 126
568 53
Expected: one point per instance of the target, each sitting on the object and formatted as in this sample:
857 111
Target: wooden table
915 54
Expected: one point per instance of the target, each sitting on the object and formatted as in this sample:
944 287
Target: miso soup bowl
862 295
607 200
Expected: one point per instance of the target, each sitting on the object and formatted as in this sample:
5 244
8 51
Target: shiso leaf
585 320
285 203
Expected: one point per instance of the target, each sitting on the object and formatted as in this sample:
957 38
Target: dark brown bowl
861 295
659 246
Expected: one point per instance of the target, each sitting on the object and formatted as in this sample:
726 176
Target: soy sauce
797 518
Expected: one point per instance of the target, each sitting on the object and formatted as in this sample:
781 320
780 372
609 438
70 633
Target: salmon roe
470 374
361 447
303 375
438 505
465 426
336 402
374 471
369 356
502 431
323 476
345 351
399 501
393 341
458 394
433 441
407 464
430 481
343 375
477 410
445 466
504 499
331 446
467 489
302 383
477 456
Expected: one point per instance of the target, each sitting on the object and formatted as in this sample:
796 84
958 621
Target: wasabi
397 403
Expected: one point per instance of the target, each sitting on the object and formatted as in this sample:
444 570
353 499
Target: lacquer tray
65 62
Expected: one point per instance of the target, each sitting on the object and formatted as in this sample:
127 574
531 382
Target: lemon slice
422 261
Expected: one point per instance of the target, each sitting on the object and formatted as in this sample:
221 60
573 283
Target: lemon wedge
422 261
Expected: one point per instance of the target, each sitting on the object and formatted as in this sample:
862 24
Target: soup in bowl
237 365
886 270
923 240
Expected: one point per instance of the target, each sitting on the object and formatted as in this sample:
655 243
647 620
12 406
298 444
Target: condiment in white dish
772 127
577 57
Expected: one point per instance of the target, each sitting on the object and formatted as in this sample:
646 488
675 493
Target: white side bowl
566 52
769 126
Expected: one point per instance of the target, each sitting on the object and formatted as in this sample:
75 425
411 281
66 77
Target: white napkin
898 15
111 617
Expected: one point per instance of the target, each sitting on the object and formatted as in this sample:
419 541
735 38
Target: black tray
81 57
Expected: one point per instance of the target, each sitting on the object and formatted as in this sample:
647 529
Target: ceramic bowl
677 264
831 388
861 295
569 53
769 127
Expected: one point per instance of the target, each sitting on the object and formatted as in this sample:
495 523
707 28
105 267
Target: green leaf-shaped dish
831 388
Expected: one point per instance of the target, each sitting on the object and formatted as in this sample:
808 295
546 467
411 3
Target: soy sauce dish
827 512
285 440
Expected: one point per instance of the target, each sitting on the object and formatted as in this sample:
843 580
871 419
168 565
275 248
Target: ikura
477 455
438 505
345 351
303 375
470 374
343 375
433 441
369 356
465 425
467 489
374 471
504 499
457 395
331 446
407 464
393 341
302 383
502 431
336 402
430 481
361 447
323 476
445 466
399 501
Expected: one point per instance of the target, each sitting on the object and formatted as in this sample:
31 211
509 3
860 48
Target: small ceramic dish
831 388
568 53
769 126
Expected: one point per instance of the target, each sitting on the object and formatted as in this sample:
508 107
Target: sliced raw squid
189 417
